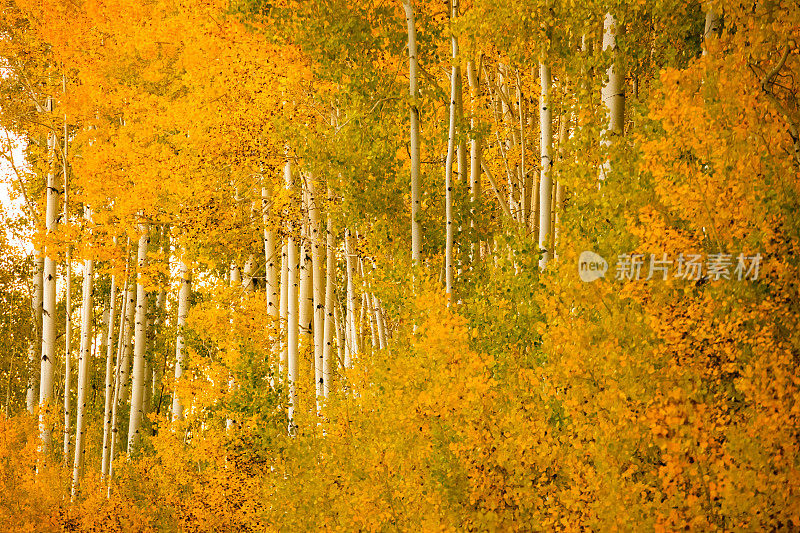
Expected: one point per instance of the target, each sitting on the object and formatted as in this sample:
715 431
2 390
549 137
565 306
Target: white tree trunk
126 303
330 273
292 333
612 93
416 228
448 167
376 305
183 310
545 180
48 303
140 343
352 339
284 310
109 388
67 355
474 146
272 261
35 344
127 345
317 283
83 372
291 310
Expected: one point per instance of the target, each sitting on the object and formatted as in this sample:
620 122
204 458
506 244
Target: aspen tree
140 342
48 299
109 383
416 228
474 146
126 303
67 312
183 310
317 284
284 310
330 307
448 169
35 343
350 318
83 372
127 338
270 257
306 297
612 93
291 309
559 201
545 181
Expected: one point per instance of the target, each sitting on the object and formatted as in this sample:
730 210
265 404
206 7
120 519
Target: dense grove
184 169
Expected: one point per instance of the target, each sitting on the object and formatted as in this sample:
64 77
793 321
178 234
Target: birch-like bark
330 273
83 372
416 227
474 147
284 311
291 311
376 305
545 180
183 310
272 261
317 283
109 388
612 93
448 166
140 343
340 343
127 345
118 374
67 352
352 340
711 27
35 345
48 302
306 298
68 290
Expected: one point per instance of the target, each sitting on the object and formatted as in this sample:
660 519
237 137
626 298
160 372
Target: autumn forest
400 265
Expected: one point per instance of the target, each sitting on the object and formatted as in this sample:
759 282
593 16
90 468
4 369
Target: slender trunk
291 310
48 303
109 388
545 181
270 250
317 283
306 299
127 345
612 94
35 345
83 372
711 27
448 167
67 353
140 343
559 203
416 228
284 309
382 341
340 344
183 310
68 290
330 273
474 151
352 340
126 303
